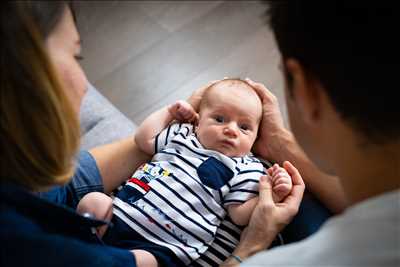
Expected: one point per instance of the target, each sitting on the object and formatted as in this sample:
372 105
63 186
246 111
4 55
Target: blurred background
142 55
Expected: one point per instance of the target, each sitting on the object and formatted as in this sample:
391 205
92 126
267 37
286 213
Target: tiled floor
144 54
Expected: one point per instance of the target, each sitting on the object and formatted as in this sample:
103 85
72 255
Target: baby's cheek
249 143
203 136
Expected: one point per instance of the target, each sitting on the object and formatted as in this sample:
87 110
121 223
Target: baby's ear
195 121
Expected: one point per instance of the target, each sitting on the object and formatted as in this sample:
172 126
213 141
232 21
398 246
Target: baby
170 209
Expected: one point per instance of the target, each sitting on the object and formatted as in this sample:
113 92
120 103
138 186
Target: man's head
230 113
341 53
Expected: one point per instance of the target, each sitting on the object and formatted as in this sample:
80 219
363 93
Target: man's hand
182 111
268 217
281 182
272 127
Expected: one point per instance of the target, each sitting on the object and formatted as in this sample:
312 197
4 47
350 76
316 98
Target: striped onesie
179 199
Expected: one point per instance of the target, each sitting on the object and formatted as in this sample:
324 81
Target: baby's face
229 119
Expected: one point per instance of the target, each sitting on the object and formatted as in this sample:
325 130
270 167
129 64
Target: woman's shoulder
35 232
25 243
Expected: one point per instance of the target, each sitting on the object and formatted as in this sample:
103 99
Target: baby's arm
157 121
281 187
240 213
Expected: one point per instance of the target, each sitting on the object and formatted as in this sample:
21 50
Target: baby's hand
281 182
182 111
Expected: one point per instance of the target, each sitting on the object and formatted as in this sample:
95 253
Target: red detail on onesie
145 186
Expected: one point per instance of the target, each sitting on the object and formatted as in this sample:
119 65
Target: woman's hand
268 217
272 128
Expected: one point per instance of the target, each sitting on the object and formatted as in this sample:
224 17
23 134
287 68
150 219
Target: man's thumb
265 189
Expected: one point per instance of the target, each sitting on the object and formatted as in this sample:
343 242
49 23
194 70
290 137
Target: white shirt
179 199
367 234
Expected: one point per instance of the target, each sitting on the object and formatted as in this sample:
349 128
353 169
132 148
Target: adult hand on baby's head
182 111
272 127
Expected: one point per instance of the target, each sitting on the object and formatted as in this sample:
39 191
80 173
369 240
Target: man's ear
305 91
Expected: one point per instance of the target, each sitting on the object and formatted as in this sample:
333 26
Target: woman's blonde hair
39 127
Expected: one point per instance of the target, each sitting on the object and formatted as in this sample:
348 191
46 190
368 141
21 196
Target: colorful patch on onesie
137 186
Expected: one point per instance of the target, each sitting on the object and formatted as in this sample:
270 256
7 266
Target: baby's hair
231 80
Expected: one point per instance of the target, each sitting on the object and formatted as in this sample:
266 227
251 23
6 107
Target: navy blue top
45 230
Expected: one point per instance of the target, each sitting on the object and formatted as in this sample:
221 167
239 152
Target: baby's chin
230 152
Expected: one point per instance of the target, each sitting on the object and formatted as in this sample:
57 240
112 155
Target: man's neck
372 170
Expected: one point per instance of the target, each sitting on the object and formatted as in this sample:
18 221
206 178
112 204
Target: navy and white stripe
184 209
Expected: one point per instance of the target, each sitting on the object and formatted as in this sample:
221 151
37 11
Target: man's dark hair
351 47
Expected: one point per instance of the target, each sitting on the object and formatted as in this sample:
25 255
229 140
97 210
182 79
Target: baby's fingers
186 114
282 190
279 172
191 117
269 172
282 180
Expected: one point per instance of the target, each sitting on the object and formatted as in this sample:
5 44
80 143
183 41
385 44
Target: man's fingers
255 84
294 173
296 195
265 189
266 95
293 200
258 86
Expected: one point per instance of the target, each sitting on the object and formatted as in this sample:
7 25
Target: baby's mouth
228 143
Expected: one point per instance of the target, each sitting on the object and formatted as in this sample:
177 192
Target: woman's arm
117 161
278 144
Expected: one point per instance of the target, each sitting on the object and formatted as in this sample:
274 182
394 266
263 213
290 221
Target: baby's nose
230 130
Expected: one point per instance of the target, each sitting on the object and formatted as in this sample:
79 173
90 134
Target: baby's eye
244 127
219 119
